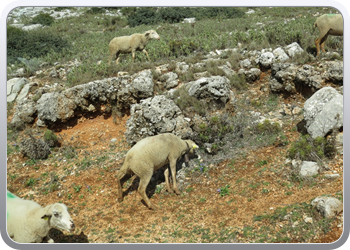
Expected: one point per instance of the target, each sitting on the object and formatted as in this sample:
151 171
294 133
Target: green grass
88 38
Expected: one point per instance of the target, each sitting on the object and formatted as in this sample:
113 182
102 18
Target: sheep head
152 34
59 217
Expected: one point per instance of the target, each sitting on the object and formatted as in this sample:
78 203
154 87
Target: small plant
30 182
51 138
223 191
77 188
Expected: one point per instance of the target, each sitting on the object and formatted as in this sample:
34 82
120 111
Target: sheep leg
133 55
173 175
319 41
144 180
322 42
166 175
122 176
144 51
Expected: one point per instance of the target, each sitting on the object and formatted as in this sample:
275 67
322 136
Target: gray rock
266 60
334 72
246 63
293 49
308 168
62 105
307 75
251 75
32 27
280 55
25 90
328 206
171 80
24 113
282 77
14 86
323 112
215 88
155 115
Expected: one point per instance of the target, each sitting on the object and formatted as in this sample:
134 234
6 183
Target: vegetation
246 167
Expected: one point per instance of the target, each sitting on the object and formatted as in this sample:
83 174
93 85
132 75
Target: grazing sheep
149 155
328 24
127 44
28 222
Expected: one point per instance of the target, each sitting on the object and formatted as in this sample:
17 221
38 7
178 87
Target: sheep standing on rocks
28 222
328 24
133 43
149 155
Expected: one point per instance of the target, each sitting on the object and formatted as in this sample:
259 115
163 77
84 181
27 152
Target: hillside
243 189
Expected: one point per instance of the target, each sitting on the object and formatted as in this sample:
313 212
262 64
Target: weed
223 191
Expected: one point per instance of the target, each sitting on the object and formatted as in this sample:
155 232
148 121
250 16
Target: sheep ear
46 217
194 146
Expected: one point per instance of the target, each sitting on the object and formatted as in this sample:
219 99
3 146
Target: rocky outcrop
63 105
154 116
323 112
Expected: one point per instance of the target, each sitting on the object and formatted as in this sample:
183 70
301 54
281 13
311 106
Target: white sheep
327 24
149 155
28 222
133 43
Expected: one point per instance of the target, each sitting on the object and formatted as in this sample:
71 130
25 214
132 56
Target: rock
308 168
251 75
189 20
280 55
24 113
171 80
227 70
323 112
32 27
215 89
309 77
62 105
282 77
25 90
155 115
293 49
334 72
328 206
339 143
245 63
265 60
14 86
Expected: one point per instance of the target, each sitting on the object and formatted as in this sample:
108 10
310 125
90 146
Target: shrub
144 15
33 44
309 149
43 19
34 148
50 138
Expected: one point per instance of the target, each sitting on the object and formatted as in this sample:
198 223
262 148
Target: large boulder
327 206
215 90
153 116
323 112
14 86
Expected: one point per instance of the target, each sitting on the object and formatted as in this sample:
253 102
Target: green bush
150 15
43 19
51 138
33 44
308 149
144 15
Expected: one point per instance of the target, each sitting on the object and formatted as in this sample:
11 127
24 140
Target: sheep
150 154
127 44
28 222
327 24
